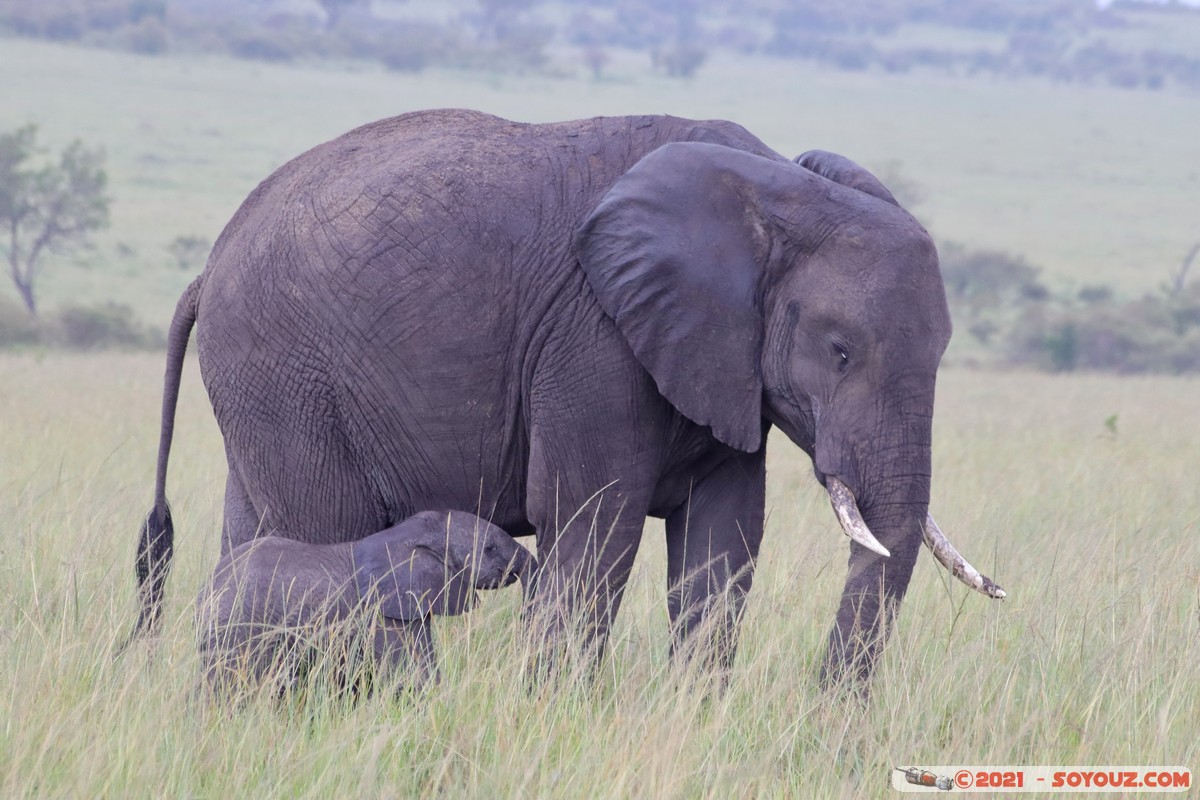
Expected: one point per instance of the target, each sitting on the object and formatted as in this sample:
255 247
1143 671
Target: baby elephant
275 603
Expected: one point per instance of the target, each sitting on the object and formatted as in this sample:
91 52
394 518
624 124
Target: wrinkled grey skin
273 604
606 316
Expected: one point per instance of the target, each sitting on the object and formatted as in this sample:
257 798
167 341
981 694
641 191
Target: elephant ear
410 577
675 253
840 169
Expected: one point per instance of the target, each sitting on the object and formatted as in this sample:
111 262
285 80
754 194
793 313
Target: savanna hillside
1049 150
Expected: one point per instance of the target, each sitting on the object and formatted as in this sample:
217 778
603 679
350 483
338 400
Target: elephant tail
157 537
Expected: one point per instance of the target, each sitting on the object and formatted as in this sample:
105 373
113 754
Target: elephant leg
589 491
404 654
712 545
874 588
241 519
582 576
594 453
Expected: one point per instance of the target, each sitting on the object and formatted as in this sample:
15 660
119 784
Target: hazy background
1052 148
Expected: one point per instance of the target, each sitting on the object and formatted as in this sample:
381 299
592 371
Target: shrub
596 58
189 252
1094 294
17 325
682 60
402 45
99 327
985 288
999 300
73 19
110 325
148 37
521 46
1157 333
281 38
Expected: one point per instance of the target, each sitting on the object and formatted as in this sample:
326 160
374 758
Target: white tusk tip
883 551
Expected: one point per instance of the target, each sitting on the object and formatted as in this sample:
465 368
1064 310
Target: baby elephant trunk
522 567
495 559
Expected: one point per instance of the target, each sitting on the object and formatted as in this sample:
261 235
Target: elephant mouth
854 526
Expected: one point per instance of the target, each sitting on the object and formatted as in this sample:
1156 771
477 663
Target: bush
985 288
148 37
1158 333
411 54
261 44
189 252
998 299
596 58
402 45
17 326
682 60
70 20
55 20
521 46
99 327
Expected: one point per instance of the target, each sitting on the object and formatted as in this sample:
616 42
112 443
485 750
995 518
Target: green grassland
1096 185
1077 493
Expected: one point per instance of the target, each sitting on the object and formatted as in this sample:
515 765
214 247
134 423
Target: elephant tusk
846 508
950 558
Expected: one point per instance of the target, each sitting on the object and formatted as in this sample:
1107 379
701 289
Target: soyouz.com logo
1011 780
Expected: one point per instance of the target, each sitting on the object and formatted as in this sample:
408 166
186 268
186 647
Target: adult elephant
570 327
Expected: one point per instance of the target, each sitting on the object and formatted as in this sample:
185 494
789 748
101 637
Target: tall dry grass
1078 494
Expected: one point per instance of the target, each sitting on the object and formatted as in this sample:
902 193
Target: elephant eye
841 356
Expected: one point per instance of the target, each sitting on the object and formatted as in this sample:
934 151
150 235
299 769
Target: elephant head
433 562
801 294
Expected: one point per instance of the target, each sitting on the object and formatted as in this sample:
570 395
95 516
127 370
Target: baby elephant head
433 562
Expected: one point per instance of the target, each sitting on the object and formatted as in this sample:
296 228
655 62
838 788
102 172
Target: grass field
1076 493
1097 185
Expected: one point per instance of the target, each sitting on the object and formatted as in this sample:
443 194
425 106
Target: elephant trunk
887 526
875 586
524 566
876 466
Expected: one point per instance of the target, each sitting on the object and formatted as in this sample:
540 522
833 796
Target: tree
499 15
51 207
335 9
189 252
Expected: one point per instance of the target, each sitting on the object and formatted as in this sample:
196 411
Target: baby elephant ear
410 582
675 253
840 169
